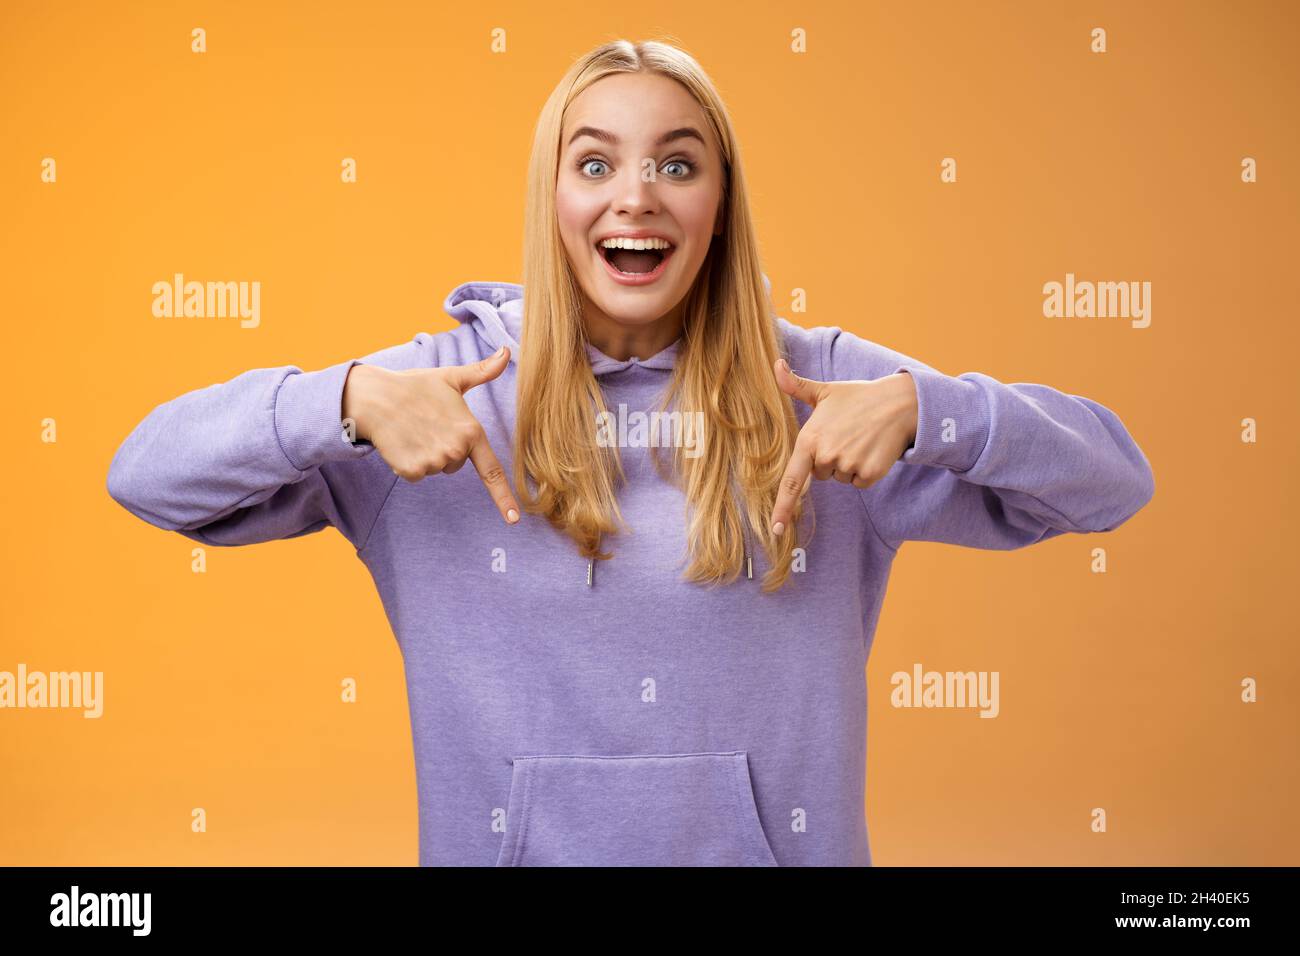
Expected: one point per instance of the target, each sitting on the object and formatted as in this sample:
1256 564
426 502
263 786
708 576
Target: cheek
566 219
696 215
575 214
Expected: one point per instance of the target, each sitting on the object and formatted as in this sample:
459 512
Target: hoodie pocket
633 810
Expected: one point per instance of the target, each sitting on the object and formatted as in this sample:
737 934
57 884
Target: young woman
575 698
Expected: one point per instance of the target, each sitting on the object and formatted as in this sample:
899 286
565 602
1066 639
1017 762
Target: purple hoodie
627 718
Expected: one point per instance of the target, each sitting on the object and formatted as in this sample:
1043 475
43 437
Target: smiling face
637 157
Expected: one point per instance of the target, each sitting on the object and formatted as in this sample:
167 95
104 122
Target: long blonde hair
723 365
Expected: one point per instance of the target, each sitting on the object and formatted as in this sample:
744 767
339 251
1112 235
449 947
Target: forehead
636 107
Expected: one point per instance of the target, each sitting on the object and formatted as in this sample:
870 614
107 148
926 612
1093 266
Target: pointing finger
494 477
795 481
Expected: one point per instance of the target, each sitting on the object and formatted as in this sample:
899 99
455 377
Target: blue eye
585 160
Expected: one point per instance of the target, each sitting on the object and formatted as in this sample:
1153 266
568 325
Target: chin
636 308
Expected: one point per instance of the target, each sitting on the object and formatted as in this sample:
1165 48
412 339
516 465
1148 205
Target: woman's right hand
420 425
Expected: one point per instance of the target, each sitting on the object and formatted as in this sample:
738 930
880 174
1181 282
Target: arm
261 457
995 465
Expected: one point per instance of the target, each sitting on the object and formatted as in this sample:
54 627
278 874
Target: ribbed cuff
309 418
952 420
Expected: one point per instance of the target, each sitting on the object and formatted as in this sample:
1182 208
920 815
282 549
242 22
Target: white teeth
621 243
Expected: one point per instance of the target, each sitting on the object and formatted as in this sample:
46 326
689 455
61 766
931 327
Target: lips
635 278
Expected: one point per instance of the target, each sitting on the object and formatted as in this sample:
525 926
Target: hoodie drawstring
749 561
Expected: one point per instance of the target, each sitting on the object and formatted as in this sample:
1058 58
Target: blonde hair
723 366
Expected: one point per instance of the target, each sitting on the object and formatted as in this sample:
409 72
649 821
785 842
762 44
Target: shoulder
828 353
456 346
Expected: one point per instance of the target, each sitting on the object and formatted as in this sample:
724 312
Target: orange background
1119 690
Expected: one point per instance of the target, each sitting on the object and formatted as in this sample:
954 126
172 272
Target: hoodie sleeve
261 457
995 465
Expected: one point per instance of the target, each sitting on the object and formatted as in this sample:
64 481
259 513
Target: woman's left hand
855 434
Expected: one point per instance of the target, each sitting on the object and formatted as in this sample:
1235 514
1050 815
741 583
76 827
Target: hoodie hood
495 310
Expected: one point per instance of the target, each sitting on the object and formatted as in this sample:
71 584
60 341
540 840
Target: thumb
465 377
807 390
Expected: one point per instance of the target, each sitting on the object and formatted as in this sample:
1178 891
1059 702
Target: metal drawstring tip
749 567
590 570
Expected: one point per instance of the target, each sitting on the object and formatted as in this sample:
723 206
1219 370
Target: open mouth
635 266
634 261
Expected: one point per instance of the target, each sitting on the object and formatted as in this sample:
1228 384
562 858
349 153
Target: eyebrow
684 132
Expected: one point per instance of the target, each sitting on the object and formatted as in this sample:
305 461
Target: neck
622 342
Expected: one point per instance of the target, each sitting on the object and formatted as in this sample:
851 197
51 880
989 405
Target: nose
634 193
